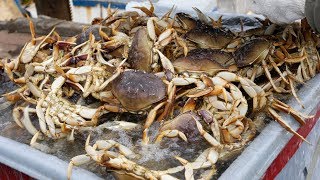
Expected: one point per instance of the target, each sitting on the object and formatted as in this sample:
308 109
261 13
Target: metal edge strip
37 164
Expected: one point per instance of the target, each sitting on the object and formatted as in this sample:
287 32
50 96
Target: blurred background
83 11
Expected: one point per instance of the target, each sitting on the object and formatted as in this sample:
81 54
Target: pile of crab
193 76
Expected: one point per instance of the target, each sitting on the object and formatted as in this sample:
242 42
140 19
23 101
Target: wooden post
54 8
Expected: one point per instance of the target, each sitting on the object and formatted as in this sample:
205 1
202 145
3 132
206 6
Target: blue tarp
91 3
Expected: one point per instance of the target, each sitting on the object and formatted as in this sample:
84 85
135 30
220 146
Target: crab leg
151 117
77 161
264 65
188 174
30 50
27 122
108 144
17 116
41 147
212 121
150 28
278 70
41 117
206 135
294 92
285 125
50 122
114 76
171 134
304 72
291 111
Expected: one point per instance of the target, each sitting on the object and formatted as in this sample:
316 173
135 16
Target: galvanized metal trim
258 156
37 164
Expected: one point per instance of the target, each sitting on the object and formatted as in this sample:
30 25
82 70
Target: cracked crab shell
137 90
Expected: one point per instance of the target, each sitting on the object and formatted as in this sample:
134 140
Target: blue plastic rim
92 3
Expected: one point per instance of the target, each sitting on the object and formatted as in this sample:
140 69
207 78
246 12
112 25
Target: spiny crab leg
284 124
286 108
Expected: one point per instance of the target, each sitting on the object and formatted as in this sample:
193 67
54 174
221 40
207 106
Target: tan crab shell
137 90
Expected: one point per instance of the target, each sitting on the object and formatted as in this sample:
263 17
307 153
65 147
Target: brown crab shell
209 61
208 37
186 21
140 53
252 51
137 90
185 123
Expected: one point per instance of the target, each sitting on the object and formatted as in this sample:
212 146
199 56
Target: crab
208 37
258 57
28 53
204 61
55 112
120 163
137 92
145 53
262 100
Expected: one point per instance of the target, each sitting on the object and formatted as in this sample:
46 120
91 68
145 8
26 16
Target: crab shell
186 21
84 36
137 90
185 123
140 53
204 60
253 51
208 37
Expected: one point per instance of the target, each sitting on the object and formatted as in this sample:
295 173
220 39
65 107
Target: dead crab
120 163
137 92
